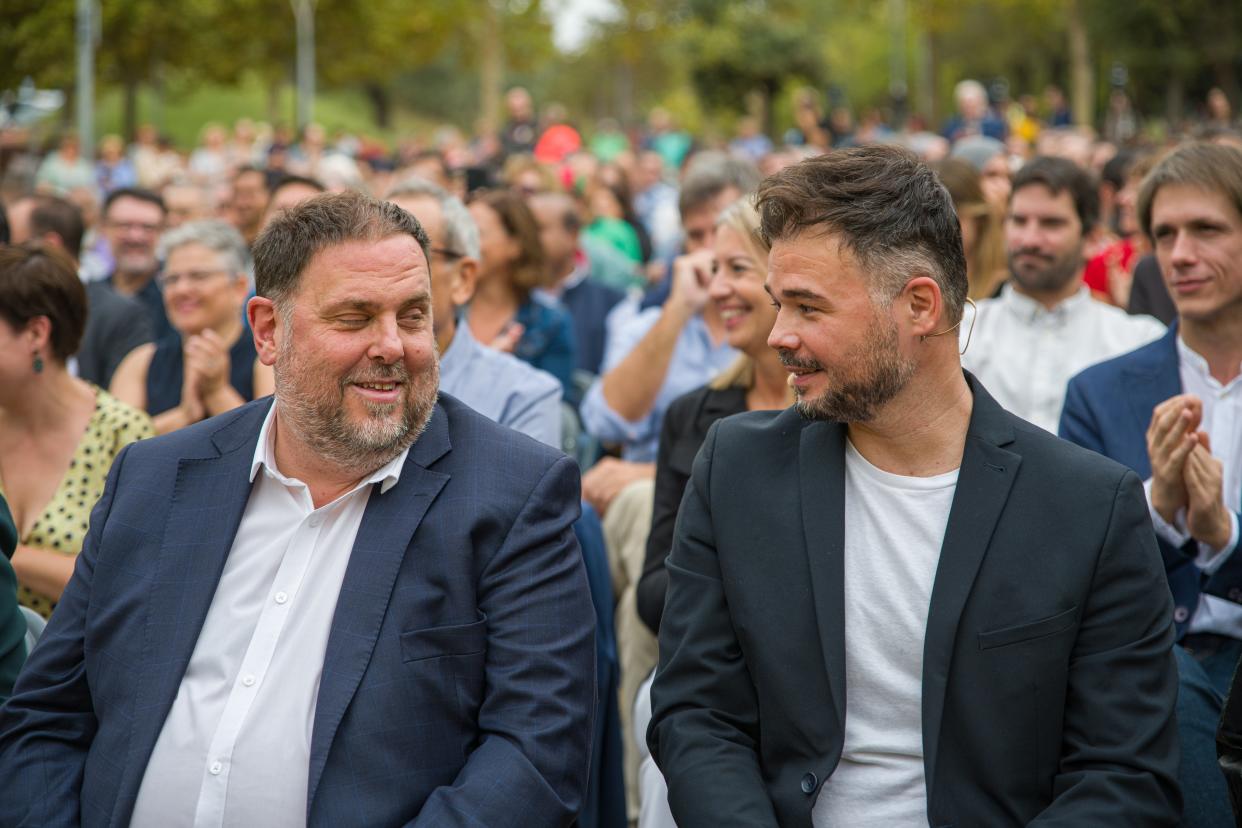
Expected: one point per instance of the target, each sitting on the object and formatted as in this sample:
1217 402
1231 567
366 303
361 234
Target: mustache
396 372
790 361
1027 251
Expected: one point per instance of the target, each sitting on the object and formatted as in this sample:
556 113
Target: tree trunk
381 104
1175 101
492 63
1082 95
129 121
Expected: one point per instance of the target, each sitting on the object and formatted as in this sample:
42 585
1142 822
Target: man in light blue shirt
497 385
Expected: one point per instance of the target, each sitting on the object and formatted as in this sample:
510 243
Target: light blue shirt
502 387
696 359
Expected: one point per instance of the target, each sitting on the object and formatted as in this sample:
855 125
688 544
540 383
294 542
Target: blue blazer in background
459 679
1108 408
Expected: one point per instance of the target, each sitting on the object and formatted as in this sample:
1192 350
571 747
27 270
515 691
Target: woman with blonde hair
983 237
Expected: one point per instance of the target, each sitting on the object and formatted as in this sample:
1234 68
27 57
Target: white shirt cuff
1209 559
1173 533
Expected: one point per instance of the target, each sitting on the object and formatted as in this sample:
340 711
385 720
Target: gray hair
461 234
709 174
216 236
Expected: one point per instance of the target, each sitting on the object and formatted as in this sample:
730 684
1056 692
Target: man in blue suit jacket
1170 411
436 667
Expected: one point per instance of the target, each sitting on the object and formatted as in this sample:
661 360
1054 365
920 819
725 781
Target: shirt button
281 597
216 768
315 521
248 681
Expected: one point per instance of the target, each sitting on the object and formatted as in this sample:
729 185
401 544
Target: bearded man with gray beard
358 603
1045 327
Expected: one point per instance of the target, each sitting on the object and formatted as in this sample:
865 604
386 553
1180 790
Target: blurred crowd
602 291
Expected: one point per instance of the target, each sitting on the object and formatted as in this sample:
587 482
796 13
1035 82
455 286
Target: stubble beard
317 413
1050 279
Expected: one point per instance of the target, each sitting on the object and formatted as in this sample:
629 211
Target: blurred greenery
391 66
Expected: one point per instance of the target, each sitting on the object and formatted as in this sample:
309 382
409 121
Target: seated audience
58 434
982 235
1045 327
497 385
209 365
507 313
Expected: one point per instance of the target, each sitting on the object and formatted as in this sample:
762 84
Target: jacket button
809 783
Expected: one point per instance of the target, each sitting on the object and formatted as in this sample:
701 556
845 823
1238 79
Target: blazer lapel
821 472
389 523
206 507
983 484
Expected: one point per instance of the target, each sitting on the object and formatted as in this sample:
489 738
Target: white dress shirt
1025 354
235 748
1222 420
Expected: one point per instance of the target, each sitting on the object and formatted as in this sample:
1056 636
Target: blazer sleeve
535 722
704 730
1119 756
670 485
47 726
1078 423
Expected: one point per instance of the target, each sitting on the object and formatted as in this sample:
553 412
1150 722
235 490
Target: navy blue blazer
458 683
1108 408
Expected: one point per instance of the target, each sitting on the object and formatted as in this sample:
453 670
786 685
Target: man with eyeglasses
497 385
133 219
209 365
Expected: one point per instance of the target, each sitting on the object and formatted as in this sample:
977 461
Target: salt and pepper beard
880 373
316 414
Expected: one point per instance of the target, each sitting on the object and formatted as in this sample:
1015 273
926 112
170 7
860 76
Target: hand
1207 519
1170 437
691 275
1119 279
206 356
605 480
192 406
508 337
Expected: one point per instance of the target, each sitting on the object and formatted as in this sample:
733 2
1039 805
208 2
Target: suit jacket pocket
453 640
1025 632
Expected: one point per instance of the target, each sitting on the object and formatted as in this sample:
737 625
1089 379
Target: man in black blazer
897 603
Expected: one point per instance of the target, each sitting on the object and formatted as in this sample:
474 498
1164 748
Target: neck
230 330
1219 341
771 389
47 400
1050 299
922 431
129 282
298 460
563 273
496 291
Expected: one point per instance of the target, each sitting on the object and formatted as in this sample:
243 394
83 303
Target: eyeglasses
192 277
129 226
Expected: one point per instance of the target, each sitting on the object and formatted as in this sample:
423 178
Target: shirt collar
1187 357
1029 309
386 475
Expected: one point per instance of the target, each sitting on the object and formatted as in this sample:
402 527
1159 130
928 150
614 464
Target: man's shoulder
1138 328
1070 465
1148 357
760 431
497 373
472 434
206 438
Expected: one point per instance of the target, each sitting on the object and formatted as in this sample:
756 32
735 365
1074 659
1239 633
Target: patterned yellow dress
62 526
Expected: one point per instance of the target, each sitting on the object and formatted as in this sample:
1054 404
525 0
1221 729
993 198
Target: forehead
388 272
193 254
815 262
134 208
729 242
1037 198
1181 203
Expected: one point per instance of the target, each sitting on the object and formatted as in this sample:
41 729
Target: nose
1024 235
386 347
718 287
782 337
1183 252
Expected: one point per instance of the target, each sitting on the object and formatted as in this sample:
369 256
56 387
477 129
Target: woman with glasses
58 434
209 365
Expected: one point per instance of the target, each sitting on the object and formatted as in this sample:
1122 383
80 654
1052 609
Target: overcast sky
571 20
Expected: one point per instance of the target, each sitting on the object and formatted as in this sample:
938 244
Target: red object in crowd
1095 276
557 142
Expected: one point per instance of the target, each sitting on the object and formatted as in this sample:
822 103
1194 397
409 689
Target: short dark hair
294 237
887 208
138 193
39 279
247 169
53 214
1216 168
290 180
1060 175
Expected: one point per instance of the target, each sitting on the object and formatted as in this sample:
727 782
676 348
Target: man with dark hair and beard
897 603
325 609
1044 327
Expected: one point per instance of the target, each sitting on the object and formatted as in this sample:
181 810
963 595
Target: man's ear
465 280
923 305
265 324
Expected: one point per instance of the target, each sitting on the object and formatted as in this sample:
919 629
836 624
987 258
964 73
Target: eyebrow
795 293
420 300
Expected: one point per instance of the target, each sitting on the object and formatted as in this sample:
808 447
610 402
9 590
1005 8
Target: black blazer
1229 745
684 428
1048 680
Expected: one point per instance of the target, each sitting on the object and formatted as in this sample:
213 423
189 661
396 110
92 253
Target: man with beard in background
327 609
896 603
1044 327
132 222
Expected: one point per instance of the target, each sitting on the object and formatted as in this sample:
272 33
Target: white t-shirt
894 528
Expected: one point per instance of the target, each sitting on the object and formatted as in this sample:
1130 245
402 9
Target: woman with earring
58 434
